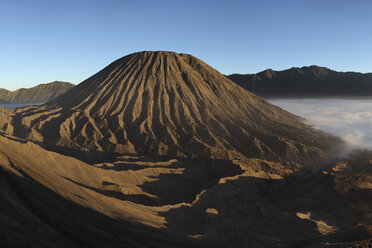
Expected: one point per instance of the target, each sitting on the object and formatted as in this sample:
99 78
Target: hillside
38 94
160 150
51 200
305 81
168 104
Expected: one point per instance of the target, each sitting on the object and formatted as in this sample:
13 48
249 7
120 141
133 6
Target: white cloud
350 119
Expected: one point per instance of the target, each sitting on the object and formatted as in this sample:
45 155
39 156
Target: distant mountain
305 81
168 104
38 94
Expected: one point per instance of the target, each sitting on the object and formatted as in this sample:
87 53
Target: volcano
167 104
194 161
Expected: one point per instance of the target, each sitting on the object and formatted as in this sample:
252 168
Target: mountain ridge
305 81
38 94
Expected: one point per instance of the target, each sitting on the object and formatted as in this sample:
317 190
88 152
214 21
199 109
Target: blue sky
42 41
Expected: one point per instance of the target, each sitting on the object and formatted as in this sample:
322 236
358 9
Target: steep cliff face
164 103
305 81
38 94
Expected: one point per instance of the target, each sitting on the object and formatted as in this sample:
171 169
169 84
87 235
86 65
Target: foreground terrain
160 150
50 200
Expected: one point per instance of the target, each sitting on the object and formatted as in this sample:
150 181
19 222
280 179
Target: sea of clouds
17 105
348 118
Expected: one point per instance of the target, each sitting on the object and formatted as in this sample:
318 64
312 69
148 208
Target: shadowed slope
42 207
164 103
51 200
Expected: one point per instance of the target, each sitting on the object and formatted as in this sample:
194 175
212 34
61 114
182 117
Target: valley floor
52 200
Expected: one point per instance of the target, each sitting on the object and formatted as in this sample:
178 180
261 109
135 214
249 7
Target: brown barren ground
160 150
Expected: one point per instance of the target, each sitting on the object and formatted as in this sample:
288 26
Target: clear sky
46 40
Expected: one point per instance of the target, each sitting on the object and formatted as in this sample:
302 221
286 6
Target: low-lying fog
347 118
17 105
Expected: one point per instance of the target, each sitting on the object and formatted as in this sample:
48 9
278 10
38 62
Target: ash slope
51 200
164 103
38 94
305 81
